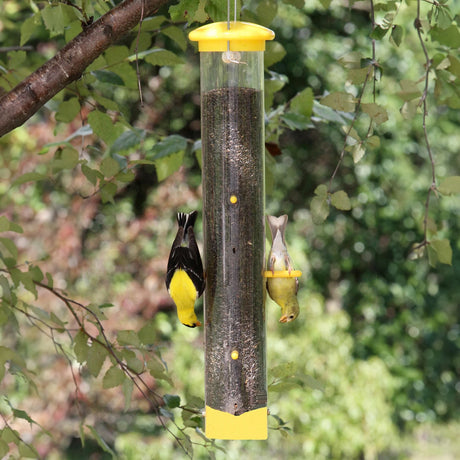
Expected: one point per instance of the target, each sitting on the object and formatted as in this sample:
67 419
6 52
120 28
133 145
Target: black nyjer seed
233 182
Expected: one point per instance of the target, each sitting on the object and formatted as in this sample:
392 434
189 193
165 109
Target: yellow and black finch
185 276
282 290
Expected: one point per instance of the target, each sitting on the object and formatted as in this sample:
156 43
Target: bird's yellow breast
183 292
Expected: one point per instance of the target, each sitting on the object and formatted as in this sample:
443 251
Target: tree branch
27 97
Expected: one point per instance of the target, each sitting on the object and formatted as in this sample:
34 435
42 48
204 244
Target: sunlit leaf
319 209
340 200
302 103
443 250
321 191
95 358
341 101
376 112
450 185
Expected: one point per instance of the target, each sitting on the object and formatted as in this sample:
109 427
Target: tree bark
27 97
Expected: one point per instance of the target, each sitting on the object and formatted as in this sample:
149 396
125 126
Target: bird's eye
291 317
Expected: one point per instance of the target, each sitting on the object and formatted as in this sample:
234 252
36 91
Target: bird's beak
284 319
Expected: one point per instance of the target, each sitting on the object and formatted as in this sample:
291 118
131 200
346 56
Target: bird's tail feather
186 220
277 223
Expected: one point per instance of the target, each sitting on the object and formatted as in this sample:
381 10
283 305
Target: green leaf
109 167
68 110
7 226
26 450
341 101
96 357
104 127
296 121
321 191
113 377
357 76
444 18
283 370
449 36
28 27
106 76
10 246
177 35
266 11
373 142
128 141
324 113
161 57
81 346
409 90
157 370
358 152
340 200
168 155
4 448
302 103
148 334
183 11
91 174
169 165
152 23
18 413
274 53
450 185
66 158
168 146
283 386
28 177
377 113
132 361
171 401
378 33
127 388
57 17
102 444
396 35
319 209
128 337
108 191
443 250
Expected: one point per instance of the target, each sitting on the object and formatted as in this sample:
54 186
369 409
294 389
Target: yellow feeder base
250 425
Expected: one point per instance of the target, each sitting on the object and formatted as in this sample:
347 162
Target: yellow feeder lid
242 36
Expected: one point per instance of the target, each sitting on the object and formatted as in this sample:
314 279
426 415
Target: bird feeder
232 129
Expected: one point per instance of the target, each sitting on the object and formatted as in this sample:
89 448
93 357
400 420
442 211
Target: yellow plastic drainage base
250 425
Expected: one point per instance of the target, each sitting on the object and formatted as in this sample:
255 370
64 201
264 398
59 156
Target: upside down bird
282 290
185 277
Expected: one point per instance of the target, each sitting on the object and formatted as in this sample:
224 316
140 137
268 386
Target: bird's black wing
196 265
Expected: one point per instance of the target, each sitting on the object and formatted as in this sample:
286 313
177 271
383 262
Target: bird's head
288 318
